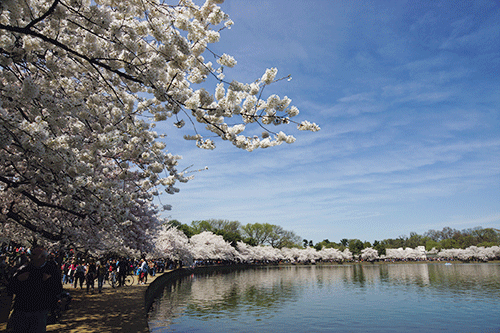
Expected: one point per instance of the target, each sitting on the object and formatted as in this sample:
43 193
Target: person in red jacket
36 286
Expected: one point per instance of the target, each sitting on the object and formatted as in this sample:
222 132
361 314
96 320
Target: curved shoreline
114 310
156 287
126 309
123 309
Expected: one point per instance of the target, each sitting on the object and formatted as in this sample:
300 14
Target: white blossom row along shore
173 244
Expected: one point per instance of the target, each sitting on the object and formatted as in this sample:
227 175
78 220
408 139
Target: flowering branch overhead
76 78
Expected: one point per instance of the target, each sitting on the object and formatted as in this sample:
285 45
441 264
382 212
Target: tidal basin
417 297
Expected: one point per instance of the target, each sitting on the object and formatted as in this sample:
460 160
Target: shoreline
125 309
114 310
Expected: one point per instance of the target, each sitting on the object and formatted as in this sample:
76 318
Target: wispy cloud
409 111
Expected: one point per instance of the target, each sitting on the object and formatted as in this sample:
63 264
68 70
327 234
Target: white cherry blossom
369 254
82 84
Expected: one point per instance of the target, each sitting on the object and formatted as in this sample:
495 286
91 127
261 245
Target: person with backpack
79 275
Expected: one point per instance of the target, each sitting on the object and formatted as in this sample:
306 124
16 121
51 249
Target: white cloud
409 140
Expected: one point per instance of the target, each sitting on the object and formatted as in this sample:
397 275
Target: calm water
345 298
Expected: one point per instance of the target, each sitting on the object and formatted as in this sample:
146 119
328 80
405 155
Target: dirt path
114 310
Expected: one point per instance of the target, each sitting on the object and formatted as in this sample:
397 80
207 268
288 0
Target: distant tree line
233 231
269 234
447 238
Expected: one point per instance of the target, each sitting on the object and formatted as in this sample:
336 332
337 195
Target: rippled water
344 298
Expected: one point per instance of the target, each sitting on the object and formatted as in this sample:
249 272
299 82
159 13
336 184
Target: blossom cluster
472 253
172 243
419 253
83 84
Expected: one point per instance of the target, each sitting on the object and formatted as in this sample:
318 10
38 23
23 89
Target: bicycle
129 280
112 279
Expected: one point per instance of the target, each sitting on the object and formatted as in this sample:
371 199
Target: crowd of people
78 269
37 277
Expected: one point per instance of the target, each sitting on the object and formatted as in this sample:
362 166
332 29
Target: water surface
341 298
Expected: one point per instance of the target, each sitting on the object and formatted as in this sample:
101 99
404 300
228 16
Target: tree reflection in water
261 294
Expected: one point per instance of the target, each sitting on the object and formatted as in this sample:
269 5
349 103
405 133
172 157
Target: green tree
431 244
344 242
487 235
229 230
280 238
379 247
448 243
415 240
288 239
230 236
216 225
250 241
355 246
466 240
447 233
433 234
259 232
201 226
323 244
186 229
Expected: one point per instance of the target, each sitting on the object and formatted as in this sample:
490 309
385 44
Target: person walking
35 286
71 271
65 272
144 271
91 275
101 274
122 268
79 275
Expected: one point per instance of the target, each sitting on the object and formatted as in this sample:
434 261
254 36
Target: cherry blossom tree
369 254
471 253
394 253
408 253
331 254
83 84
267 253
308 254
173 244
347 255
492 253
246 251
208 245
291 254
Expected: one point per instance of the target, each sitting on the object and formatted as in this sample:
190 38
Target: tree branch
41 18
30 226
46 204
54 42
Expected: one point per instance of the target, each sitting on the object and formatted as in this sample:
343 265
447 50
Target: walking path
114 310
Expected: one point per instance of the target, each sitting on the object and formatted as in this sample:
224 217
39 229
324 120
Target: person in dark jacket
79 275
122 271
91 275
36 286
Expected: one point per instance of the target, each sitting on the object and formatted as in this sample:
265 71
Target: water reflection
261 291
253 295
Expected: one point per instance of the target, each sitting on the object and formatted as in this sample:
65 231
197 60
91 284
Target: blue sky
407 94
